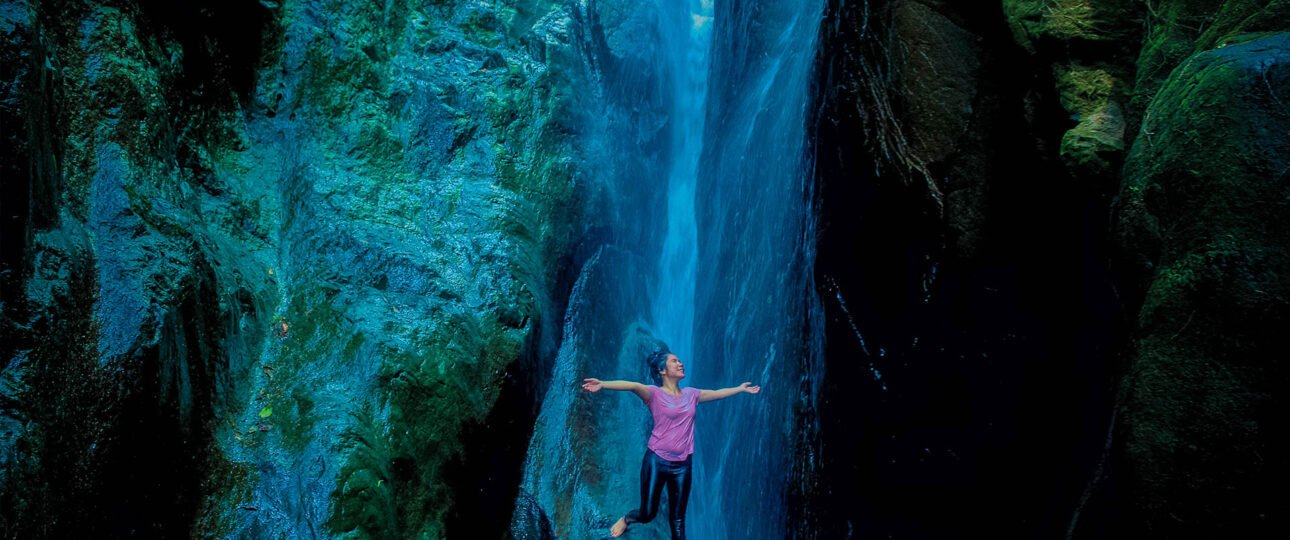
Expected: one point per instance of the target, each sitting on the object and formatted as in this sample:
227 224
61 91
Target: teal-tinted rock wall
277 256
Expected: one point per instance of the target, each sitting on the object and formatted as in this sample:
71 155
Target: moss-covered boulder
1094 148
1177 29
1203 214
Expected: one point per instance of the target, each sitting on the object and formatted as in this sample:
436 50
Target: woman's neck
670 386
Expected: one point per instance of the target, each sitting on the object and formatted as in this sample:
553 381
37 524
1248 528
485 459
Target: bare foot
619 528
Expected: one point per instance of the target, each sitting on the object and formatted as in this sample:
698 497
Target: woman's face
675 369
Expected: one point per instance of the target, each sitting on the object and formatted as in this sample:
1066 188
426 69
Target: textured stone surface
291 250
937 82
1203 215
585 447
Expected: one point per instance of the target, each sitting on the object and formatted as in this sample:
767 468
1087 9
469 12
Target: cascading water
698 140
754 283
674 305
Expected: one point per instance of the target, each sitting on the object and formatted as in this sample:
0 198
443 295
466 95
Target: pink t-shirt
673 435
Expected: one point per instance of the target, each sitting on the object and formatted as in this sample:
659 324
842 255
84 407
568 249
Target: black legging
657 473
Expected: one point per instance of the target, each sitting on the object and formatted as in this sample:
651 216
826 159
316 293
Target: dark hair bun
657 361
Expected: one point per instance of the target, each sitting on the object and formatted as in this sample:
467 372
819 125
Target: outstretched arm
709 395
594 385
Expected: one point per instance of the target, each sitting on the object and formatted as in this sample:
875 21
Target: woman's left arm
709 395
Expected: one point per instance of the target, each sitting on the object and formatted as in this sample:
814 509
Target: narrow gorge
318 268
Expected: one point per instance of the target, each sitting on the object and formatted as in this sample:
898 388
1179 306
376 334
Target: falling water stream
699 143
736 265
674 305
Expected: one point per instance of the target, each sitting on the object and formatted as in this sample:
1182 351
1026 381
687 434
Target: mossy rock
1094 148
1177 29
1035 23
1082 90
1203 209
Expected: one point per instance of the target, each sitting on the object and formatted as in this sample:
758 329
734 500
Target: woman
671 443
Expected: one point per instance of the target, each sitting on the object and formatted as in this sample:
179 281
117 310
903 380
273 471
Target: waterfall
698 145
687 61
735 269
754 283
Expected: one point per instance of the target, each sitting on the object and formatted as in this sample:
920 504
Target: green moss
1070 19
1023 17
1172 284
1095 146
364 499
347 63
1242 20
1199 186
336 85
1193 412
538 206
1034 22
1172 31
315 330
392 483
444 371
483 27
1083 89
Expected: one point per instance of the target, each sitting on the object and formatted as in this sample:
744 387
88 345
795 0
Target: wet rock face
122 337
1203 213
579 474
272 258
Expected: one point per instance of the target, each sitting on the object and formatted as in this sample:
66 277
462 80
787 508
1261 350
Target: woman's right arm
594 385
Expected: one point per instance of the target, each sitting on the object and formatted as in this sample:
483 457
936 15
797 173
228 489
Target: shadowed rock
1203 216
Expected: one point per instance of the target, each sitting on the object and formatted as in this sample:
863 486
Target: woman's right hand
591 385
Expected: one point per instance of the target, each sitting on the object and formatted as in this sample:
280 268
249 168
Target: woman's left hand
748 387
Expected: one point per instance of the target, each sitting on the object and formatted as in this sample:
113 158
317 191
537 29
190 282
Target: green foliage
1067 19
